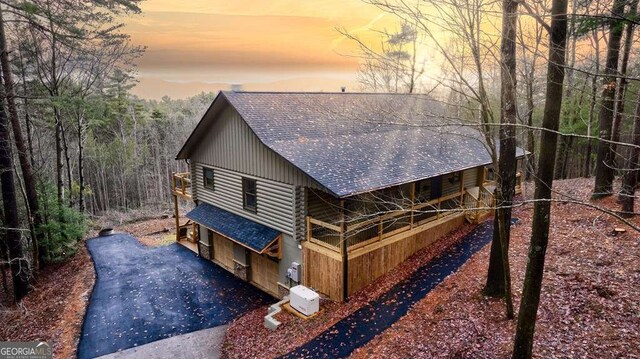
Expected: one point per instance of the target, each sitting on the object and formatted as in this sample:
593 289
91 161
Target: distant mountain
154 88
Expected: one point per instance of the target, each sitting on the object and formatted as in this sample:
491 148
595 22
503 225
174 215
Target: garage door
264 273
223 251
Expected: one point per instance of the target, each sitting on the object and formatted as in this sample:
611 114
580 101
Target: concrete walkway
203 344
147 294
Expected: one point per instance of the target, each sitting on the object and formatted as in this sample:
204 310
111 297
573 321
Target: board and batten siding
275 199
231 144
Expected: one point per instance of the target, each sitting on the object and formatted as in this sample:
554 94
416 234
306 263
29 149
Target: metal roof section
246 232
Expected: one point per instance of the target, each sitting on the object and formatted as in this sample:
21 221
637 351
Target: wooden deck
190 245
374 246
181 185
181 188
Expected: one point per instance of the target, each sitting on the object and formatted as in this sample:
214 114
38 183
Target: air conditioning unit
304 300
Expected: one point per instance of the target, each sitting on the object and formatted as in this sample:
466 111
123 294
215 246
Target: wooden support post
177 215
439 201
173 181
309 227
413 201
461 189
345 255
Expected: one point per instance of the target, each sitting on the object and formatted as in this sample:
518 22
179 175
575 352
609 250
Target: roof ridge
323 93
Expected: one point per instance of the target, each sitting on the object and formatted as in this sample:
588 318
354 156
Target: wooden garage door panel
264 273
223 250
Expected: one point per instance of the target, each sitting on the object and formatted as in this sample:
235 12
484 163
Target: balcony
181 185
362 231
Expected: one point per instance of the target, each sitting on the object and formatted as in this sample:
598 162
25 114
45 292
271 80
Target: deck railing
361 232
519 182
182 184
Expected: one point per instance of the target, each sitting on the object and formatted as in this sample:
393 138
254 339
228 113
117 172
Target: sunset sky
206 45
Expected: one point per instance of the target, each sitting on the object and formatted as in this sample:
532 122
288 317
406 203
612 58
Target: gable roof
355 142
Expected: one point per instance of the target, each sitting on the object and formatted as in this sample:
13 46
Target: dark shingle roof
245 231
353 143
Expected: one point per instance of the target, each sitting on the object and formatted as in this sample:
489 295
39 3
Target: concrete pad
203 344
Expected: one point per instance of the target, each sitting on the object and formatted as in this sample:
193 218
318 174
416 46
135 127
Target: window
249 194
423 188
207 178
454 177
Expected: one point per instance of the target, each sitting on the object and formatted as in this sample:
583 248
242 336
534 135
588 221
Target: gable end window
250 194
207 178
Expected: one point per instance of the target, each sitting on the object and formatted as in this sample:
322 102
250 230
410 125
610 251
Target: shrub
63 227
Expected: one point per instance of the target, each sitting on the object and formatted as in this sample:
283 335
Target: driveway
146 294
358 328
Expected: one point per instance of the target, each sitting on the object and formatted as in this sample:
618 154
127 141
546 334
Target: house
328 190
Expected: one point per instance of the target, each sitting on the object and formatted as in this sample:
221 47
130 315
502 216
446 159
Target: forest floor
588 306
54 310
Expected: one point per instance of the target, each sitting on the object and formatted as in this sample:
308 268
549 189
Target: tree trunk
622 90
18 262
67 159
523 343
59 164
629 181
531 146
33 211
557 172
27 116
499 274
604 161
80 161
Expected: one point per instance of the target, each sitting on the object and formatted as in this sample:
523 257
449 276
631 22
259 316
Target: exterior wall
290 253
471 177
194 190
231 144
276 209
275 200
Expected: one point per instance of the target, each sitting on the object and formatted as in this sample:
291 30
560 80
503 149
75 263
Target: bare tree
523 343
630 178
33 209
395 67
604 163
19 264
623 81
499 274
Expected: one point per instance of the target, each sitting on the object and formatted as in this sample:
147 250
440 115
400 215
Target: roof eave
185 150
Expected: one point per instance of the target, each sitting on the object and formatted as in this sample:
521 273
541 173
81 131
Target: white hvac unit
304 300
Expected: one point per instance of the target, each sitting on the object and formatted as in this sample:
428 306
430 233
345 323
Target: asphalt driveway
146 294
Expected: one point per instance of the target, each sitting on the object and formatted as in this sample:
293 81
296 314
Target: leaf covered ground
589 305
247 337
54 310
